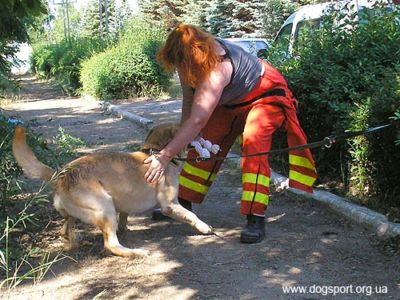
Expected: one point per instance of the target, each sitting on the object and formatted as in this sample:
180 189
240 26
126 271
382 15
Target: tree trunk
106 8
101 19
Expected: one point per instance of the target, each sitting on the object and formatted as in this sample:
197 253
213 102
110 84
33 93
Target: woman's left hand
158 165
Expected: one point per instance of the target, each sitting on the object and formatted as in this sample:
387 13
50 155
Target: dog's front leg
179 213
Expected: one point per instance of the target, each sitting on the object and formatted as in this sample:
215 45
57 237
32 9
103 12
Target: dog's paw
140 252
204 228
128 252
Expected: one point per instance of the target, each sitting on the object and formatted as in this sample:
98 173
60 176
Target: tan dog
94 188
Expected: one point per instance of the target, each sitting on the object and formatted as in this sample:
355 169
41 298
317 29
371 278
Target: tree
167 13
275 13
246 18
235 18
57 26
16 17
218 19
195 12
113 16
122 14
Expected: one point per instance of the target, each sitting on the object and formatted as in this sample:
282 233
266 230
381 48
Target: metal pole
68 25
101 19
64 21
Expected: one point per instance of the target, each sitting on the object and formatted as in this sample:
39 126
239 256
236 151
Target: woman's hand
158 164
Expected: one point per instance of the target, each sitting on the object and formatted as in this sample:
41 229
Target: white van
310 16
256 46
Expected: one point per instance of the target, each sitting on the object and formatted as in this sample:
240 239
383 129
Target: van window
302 28
283 38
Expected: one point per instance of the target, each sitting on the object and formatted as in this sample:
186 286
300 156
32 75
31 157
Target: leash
326 142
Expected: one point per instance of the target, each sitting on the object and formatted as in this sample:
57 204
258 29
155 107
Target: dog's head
159 136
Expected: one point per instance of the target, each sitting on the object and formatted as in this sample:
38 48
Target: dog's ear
159 136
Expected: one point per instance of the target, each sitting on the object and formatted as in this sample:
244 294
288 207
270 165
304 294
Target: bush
61 61
346 77
129 68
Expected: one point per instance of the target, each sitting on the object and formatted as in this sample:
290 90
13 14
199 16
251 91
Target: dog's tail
27 160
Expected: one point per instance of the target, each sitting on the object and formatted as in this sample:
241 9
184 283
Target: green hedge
129 68
349 79
61 61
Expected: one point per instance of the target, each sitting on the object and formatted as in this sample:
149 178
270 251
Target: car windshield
282 40
303 28
252 46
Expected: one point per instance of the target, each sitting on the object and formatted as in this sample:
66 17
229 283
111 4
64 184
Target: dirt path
306 245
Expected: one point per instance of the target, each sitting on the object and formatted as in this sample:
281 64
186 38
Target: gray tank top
246 73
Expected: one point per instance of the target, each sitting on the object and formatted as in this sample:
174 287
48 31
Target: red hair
192 51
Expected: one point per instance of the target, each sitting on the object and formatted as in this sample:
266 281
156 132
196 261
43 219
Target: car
256 46
310 17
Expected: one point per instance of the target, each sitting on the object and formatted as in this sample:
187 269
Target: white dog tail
27 160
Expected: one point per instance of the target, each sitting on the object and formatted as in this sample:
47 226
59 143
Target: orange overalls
269 106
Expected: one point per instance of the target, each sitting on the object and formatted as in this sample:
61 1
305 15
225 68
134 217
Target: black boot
158 216
254 232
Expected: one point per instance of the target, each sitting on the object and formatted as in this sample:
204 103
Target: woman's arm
187 101
206 98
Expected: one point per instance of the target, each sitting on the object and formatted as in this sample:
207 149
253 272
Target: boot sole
251 240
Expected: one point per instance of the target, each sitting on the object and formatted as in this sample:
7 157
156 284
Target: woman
228 92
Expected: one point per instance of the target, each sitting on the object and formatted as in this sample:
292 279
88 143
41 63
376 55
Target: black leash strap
327 142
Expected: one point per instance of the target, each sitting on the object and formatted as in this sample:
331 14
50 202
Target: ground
306 245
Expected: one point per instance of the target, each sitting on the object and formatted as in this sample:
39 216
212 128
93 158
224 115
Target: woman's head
192 51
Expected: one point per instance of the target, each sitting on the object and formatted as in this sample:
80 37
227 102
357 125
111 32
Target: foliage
16 17
112 22
129 68
276 12
235 18
58 29
217 18
232 18
195 12
19 216
229 18
346 77
62 60
66 146
396 117
162 12
17 263
246 19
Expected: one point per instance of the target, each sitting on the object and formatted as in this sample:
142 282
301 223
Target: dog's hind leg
67 232
111 243
179 213
122 221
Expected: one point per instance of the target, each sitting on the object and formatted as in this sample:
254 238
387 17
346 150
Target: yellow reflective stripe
304 179
188 168
194 186
260 198
252 178
300 161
